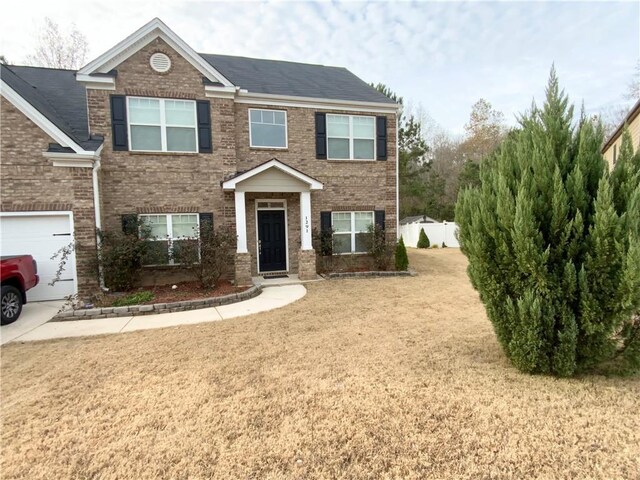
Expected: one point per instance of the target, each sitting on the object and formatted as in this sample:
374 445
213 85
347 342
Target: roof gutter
84 159
244 96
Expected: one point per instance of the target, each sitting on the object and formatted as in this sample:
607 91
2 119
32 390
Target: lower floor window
167 234
350 231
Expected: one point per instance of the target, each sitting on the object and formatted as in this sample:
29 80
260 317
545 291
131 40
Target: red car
18 273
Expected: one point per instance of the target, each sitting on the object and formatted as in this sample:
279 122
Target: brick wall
348 185
31 183
134 182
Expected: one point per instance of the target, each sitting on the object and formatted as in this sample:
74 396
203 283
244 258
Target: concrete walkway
33 315
269 299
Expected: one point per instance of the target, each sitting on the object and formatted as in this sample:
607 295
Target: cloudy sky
442 56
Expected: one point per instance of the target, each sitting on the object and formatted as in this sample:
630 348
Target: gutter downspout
98 217
398 174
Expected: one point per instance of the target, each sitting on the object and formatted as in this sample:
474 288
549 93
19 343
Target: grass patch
136 298
393 378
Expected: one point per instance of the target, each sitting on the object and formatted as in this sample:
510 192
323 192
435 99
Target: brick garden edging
135 310
335 275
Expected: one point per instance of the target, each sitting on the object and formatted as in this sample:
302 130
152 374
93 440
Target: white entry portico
272 177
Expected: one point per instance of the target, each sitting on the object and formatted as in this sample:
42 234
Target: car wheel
11 304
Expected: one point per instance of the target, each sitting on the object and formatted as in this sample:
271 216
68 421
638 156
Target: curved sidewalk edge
270 298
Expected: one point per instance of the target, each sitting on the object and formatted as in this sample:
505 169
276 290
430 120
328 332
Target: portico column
305 221
241 223
306 255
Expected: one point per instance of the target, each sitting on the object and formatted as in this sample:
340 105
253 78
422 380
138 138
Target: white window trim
169 238
163 126
286 227
351 137
353 232
286 129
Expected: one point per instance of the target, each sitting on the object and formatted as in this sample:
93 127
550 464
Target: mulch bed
184 291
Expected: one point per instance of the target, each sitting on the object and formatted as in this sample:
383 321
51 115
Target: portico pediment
272 176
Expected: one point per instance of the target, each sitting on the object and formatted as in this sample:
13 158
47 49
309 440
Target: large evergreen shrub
423 240
553 243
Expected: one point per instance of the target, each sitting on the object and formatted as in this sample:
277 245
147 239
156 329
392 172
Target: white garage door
41 235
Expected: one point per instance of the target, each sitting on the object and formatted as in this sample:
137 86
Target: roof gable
139 39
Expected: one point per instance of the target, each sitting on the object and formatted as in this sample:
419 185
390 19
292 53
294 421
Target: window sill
350 161
163 154
280 149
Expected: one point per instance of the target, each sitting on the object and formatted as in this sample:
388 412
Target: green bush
423 240
121 257
322 242
379 248
208 256
133 299
402 260
553 244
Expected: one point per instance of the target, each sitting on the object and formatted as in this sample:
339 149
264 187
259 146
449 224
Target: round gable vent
160 62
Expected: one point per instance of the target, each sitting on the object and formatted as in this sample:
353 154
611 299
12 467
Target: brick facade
135 182
31 183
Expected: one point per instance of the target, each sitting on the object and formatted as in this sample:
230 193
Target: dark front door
272 245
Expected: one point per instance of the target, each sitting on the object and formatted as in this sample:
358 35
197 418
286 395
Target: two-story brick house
153 130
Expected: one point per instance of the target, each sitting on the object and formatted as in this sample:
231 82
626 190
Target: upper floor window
267 128
351 137
162 125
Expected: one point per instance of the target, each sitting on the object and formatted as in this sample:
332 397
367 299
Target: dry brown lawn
380 378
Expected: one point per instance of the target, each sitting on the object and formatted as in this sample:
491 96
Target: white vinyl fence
438 233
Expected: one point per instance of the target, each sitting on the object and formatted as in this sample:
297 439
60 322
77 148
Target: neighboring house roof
55 94
417 219
633 113
277 77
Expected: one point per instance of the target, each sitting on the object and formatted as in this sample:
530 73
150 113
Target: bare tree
58 49
3 60
633 90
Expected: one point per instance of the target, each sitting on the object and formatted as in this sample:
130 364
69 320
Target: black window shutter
119 122
379 216
326 234
325 221
205 144
206 219
130 224
321 135
381 138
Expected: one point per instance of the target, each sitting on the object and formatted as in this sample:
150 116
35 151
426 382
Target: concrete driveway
33 315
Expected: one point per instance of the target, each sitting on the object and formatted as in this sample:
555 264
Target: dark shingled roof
56 95
298 79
